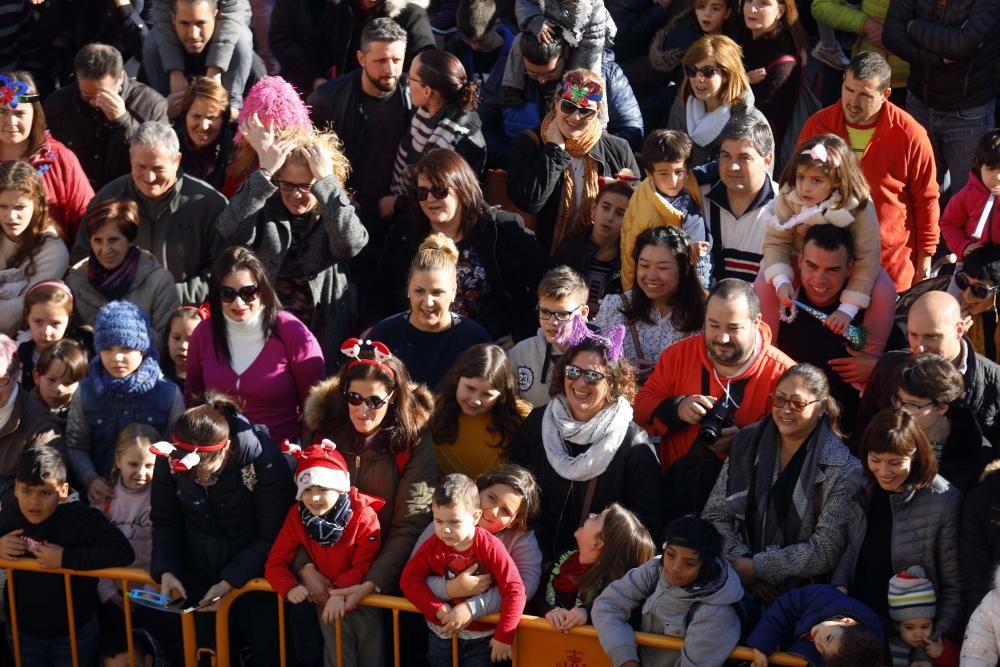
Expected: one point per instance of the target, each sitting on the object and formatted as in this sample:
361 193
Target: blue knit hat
122 323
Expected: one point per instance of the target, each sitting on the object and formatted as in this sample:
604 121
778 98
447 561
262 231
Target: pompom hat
319 465
123 324
911 595
274 100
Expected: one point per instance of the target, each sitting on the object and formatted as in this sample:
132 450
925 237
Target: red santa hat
319 465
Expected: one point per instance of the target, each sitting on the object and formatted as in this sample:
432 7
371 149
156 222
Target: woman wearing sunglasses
297 218
714 89
783 498
583 447
118 269
499 263
251 349
556 170
977 283
378 417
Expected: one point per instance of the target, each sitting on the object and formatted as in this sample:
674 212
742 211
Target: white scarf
704 127
604 432
830 211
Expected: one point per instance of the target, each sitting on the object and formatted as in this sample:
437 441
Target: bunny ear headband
575 331
14 91
373 353
820 154
189 460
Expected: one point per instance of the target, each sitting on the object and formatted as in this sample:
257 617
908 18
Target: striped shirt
426 132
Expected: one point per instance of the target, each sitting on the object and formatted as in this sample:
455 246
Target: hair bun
440 243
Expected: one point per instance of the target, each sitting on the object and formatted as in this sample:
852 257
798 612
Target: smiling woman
204 130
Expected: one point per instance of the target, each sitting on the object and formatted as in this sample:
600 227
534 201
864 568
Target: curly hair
328 139
490 363
20 177
619 374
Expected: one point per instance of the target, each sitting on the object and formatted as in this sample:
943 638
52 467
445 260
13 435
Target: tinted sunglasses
248 293
573 373
569 109
978 291
439 192
795 404
372 402
706 72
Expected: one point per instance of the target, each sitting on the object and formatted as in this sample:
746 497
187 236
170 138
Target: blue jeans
953 136
471 652
56 652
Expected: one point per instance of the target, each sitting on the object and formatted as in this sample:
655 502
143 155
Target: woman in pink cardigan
252 350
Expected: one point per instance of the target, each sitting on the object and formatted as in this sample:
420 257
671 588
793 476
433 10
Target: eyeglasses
371 402
978 290
301 188
573 373
554 73
438 191
560 315
247 294
569 109
899 403
706 72
794 404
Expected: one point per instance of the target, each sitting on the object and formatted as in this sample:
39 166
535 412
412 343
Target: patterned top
653 338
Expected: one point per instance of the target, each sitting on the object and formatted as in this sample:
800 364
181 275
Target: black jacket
535 180
209 163
89 541
966 33
980 539
102 145
966 453
577 252
632 479
203 535
514 266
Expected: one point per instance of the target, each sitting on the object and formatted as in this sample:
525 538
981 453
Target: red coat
345 563
67 189
678 373
899 167
961 216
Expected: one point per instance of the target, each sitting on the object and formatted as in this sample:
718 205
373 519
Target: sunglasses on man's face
372 402
438 192
573 373
569 109
706 72
247 293
978 290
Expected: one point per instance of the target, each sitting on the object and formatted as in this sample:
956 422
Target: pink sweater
275 385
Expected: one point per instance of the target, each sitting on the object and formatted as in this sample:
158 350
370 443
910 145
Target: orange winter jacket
678 374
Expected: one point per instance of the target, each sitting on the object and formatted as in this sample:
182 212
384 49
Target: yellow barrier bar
190 638
338 629
13 617
395 637
67 580
127 608
281 628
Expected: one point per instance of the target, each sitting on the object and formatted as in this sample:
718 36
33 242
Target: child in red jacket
338 527
966 212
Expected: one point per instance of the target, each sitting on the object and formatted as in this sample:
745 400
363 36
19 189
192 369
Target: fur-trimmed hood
393 8
318 420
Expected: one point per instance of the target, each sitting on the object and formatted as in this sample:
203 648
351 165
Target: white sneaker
833 56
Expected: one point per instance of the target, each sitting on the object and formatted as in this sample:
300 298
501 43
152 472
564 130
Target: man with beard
370 111
721 378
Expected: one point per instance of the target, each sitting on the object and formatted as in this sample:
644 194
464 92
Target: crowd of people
613 312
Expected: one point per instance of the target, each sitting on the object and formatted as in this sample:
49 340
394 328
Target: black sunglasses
248 293
439 192
706 72
373 402
978 291
569 109
590 377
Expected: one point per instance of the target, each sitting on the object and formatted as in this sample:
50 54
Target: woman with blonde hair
205 131
296 216
714 89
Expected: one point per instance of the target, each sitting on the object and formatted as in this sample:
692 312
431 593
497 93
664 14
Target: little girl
509 499
579 576
30 248
477 412
48 309
179 329
688 591
823 184
706 17
124 385
57 376
128 509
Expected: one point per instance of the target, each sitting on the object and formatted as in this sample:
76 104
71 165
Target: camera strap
732 393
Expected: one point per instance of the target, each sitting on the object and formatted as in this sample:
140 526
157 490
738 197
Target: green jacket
842 16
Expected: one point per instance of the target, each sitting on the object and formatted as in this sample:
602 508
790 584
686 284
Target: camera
721 416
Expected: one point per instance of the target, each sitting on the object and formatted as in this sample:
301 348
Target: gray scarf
604 432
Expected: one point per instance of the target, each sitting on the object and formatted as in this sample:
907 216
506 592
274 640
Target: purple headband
575 331
51 283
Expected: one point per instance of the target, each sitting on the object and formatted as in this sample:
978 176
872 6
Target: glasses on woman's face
909 406
573 373
301 188
437 191
371 402
246 293
794 404
569 109
978 290
706 72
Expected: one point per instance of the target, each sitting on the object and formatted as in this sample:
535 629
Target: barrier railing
534 636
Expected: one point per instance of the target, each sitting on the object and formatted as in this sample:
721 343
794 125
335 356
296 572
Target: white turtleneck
246 340
6 410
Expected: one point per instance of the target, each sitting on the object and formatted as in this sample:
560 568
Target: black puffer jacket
980 538
203 535
964 34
